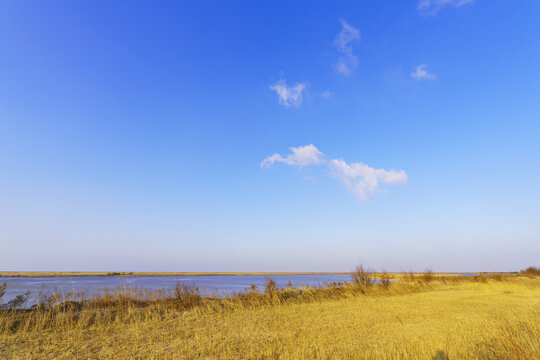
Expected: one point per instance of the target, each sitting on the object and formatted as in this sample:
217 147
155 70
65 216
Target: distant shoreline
135 274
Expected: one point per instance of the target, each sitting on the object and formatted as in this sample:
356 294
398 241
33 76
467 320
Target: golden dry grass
442 319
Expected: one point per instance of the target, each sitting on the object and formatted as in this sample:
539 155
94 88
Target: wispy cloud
432 7
420 73
343 43
301 156
361 179
289 95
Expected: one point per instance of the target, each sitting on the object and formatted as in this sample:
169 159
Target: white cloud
432 7
301 156
343 43
361 179
289 95
421 73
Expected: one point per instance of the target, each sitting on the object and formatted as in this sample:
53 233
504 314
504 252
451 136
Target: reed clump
186 296
497 277
385 279
363 277
531 271
270 287
427 276
3 288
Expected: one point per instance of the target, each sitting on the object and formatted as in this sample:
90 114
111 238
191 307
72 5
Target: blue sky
269 136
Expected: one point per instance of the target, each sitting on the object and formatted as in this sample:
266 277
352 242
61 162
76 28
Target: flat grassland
415 318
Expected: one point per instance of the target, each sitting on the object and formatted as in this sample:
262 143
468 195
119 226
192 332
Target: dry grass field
418 317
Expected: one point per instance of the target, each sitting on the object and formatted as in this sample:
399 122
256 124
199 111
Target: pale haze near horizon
269 136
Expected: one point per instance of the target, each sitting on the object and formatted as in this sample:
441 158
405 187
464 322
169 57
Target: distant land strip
115 273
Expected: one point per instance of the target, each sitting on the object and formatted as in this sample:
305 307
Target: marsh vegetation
418 316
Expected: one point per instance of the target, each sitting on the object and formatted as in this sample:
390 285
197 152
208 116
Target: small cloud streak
343 43
289 95
361 180
301 156
421 73
432 7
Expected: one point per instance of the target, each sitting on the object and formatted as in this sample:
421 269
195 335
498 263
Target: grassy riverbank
419 317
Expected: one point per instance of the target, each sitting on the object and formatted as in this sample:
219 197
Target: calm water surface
219 284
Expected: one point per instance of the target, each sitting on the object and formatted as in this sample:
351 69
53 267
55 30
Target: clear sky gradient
269 136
